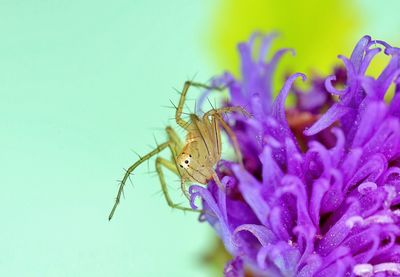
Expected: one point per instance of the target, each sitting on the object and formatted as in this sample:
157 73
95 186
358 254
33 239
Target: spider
195 159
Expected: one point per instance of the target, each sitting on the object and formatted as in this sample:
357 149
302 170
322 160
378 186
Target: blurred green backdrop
81 84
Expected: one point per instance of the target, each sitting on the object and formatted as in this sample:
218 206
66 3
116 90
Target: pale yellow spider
193 161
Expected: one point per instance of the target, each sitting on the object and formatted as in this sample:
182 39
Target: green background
81 84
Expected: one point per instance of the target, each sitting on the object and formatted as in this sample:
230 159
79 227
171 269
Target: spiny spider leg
218 115
160 162
175 145
227 110
131 169
181 104
232 136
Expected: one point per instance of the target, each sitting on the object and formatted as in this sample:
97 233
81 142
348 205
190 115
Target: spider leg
232 136
216 114
184 190
160 162
179 109
201 85
176 143
175 147
227 110
217 180
178 115
131 169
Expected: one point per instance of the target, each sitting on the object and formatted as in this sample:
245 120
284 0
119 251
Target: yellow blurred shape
318 31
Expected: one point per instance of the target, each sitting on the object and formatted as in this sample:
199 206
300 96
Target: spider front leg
160 162
223 110
131 169
175 146
178 115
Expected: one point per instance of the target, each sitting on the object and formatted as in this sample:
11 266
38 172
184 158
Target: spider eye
186 162
190 155
181 165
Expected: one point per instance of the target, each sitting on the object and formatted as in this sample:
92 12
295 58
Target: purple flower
322 203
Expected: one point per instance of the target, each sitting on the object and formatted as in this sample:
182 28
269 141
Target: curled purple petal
331 89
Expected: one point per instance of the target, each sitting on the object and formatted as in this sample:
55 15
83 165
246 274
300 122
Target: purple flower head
320 203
